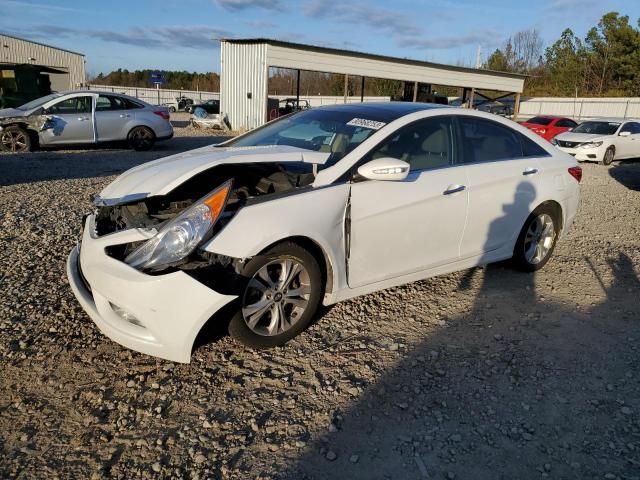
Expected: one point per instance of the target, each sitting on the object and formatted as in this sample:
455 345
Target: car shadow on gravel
48 165
491 394
627 172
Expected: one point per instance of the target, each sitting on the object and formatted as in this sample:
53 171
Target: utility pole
478 64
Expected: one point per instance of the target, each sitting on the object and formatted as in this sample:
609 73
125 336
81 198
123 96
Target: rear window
540 120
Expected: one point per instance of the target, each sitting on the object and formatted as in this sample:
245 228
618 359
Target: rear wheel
15 139
281 293
608 156
172 109
537 239
141 138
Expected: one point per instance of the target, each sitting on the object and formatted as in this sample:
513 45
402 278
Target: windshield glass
540 120
38 102
599 128
335 132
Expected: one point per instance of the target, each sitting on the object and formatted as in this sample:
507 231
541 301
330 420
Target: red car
548 126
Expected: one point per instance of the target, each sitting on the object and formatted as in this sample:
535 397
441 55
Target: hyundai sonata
314 208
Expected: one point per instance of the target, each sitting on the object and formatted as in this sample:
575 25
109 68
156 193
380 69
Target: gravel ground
482 374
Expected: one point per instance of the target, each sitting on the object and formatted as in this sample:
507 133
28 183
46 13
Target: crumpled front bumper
169 309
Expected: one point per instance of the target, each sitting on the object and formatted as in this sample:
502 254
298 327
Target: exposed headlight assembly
554 141
182 234
590 145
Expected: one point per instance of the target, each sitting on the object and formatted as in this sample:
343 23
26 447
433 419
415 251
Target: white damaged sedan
317 207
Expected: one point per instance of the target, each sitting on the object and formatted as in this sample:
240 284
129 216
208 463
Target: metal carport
245 67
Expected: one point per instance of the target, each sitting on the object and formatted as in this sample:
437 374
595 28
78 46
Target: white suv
601 140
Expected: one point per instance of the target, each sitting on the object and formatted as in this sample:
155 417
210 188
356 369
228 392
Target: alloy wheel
539 239
276 297
14 141
142 137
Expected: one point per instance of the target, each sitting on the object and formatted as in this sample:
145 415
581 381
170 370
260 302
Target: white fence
581 108
157 96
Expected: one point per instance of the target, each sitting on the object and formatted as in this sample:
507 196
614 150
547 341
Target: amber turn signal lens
217 200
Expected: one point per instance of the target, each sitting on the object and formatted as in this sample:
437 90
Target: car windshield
331 131
598 128
540 120
39 102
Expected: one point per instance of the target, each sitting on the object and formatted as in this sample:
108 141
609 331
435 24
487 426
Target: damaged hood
13 112
161 176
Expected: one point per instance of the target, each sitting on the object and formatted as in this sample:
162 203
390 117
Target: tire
141 138
263 295
15 139
172 109
533 251
609 156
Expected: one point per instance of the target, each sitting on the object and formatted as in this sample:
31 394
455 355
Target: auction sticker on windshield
363 122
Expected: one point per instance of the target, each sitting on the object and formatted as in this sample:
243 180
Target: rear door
403 227
111 118
628 146
503 170
71 121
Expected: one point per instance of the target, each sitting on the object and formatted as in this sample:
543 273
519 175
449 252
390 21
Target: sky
184 34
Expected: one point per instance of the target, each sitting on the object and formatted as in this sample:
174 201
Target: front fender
317 214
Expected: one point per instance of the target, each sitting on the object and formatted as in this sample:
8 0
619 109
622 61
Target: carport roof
372 56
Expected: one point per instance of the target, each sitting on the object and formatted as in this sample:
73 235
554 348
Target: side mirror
386 168
624 134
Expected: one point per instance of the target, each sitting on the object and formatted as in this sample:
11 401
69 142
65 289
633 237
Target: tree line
606 62
175 80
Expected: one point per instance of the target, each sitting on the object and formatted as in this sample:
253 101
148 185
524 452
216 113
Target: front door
70 121
401 227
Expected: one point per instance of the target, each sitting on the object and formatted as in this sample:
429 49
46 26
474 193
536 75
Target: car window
565 122
130 104
71 106
109 102
425 144
597 127
540 120
632 127
486 141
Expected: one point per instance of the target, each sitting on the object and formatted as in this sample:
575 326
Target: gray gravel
481 374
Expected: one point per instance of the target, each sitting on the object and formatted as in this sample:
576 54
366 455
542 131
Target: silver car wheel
14 141
539 239
276 297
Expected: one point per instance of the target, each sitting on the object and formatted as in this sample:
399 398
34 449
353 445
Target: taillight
576 172
162 114
543 131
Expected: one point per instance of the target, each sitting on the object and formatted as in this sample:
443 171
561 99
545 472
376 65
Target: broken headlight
182 234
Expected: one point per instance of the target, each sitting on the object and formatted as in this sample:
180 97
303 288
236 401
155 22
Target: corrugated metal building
245 67
21 51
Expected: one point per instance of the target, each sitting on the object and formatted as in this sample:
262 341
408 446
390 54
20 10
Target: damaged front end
194 212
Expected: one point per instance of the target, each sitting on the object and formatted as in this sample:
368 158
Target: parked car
210 106
601 140
317 207
497 108
83 117
290 105
548 126
180 103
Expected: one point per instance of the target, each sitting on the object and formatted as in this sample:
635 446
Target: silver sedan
83 117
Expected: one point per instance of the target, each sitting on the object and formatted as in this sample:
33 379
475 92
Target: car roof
609 119
388 111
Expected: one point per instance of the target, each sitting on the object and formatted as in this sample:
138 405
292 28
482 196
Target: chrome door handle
82 119
530 171
453 189
124 115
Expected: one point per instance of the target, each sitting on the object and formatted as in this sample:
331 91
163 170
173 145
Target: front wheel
608 156
15 139
537 239
281 292
141 138
172 109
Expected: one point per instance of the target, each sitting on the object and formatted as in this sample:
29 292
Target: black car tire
239 328
172 109
15 139
141 138
609 155
520 259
